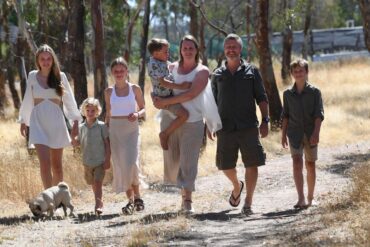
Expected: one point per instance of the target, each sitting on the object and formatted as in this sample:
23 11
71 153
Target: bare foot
163 137
301 204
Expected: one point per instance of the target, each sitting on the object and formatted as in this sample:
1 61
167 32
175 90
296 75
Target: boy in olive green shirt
302 115
94 141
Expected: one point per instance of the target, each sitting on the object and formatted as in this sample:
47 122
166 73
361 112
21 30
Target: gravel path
215 223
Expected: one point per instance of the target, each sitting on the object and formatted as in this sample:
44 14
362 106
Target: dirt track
215 223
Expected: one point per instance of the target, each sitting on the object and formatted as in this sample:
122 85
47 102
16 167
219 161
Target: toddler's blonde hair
90 102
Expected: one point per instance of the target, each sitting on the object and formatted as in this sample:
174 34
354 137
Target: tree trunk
287 53
202 41
248 25
306 32
143 44
193 21
130 27
3 99
76 47
24 60
22 26
100 78
42 22
267 72
287 36
365 11
11 83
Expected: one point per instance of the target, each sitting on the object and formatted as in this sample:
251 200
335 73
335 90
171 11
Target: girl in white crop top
125 105
46 88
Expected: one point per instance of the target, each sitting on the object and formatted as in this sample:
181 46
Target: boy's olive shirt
301 110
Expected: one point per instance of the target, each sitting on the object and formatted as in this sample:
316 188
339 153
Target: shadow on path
15 220
343 163
148 219
87 217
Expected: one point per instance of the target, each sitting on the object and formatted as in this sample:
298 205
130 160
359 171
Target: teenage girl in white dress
47 88
125 105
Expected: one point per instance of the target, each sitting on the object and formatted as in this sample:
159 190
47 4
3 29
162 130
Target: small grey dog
51 199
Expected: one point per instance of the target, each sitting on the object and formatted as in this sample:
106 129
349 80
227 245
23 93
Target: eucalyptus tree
365 10
265 62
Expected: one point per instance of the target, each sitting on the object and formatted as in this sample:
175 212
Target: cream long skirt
124 141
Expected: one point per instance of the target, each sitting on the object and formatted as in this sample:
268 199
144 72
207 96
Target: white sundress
46 120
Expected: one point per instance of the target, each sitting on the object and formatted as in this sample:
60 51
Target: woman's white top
34 91
202 106
122 105
46 120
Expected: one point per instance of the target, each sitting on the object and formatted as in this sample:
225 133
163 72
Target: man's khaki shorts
310 152
246 141
94 174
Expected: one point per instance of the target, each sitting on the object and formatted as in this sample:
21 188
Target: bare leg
98 193
251 175
298 178
232 175
43 154
136 191
56 165
311 179
182 116
130 195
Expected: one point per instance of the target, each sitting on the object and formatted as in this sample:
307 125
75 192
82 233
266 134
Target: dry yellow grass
345 91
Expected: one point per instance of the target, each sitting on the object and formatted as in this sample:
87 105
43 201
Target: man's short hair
300 62
156 45
233 36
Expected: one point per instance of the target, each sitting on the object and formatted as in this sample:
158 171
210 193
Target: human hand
158 102
24 130
185 85
106 164
74 131
211 135
133 116
264 130
314 139
284 141
75 143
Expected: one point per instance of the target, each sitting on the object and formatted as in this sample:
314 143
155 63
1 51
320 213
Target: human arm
199 83
70 106
140 104
319 117
315 137
264 130
106 165
107 94
26 106
163 82
284 140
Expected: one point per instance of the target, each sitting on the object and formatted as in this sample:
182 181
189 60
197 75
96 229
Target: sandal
235 201
98 211
128 209
139 204
247 210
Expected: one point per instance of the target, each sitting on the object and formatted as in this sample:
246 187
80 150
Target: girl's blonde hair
118 60
54 79
90 102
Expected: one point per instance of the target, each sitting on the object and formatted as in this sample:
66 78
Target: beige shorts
310 152
94 174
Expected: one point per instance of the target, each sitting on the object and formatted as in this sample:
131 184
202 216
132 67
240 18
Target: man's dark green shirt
302 110
236 96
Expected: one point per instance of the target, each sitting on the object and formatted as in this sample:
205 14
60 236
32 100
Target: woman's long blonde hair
54 79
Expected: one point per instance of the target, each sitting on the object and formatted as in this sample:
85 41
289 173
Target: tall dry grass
345 91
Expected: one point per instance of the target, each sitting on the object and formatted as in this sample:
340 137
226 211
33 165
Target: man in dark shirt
302 116
237 87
